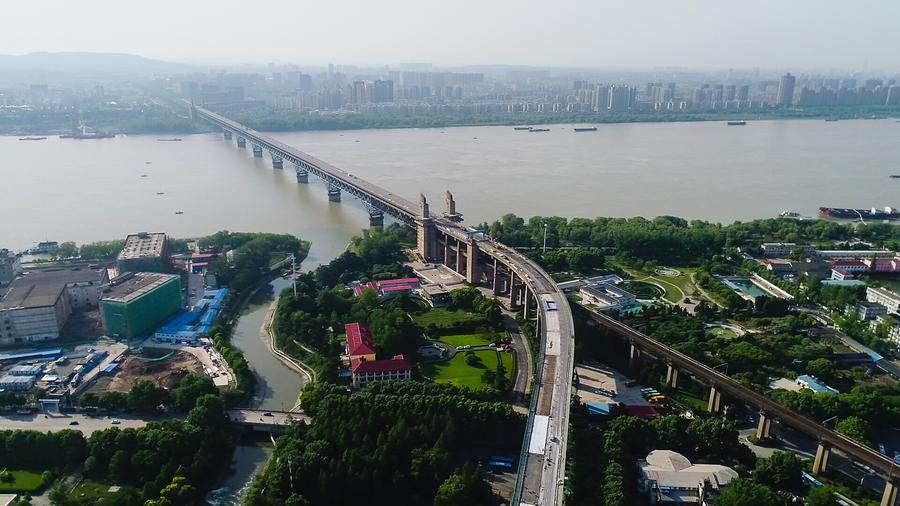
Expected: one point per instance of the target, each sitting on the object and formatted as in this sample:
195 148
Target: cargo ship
32 138
887 213
539 130
83 132
522 128
173 139
737 123
585 129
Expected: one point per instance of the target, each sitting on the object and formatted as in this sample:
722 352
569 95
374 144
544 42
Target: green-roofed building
135 304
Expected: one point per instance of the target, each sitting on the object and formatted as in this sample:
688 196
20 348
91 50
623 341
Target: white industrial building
37 304
668 477
885 297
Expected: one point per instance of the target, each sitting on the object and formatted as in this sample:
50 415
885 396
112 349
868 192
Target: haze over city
698 34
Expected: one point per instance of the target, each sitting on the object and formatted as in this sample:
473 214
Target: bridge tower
426 242
450 213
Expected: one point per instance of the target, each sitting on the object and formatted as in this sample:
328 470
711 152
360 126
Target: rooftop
143 245
41 288
815 384
359 339
672 470
131 286
884 292
397 364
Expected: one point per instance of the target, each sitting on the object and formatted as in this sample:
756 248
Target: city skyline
699 34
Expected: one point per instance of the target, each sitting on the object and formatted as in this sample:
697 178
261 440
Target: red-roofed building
359 342
388 287
648 412
364 371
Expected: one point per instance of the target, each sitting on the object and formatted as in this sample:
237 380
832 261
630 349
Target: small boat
179 212
32 138
585 129
830 120
160 193
789 214
173 139
522 128
539 130
147 163
737 123
143 175
894 176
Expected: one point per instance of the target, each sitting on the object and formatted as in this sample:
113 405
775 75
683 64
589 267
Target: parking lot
600 383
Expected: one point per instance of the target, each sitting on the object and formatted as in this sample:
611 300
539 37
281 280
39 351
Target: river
88 190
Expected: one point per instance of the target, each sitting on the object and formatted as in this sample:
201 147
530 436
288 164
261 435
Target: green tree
856 428
821 496
191 388
465 487
781 470
146 397
742 492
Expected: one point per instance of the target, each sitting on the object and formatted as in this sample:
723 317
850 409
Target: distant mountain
88 63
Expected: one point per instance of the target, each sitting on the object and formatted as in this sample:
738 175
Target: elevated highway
541 471
720 383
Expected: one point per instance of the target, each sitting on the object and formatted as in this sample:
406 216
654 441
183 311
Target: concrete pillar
334 194
447 251
671 376
376 218
525 303
242 142
715 400
459 258
494 280
227 135
302 175
512 289
257 151
473 268
820 462
426 240
634 357
277 162
765 426
891 491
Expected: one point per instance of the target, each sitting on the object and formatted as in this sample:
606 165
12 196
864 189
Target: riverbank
268 337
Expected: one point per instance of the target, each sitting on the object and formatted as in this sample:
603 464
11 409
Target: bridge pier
891 492
763 430
494 279
459 258
302 175
277 162
513 290
257 151
426 233
227 134
242 142
671 376
634 357
376 218
473 268
820 462
715 400
334 194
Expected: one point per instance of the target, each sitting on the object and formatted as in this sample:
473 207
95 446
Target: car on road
115 421
73 422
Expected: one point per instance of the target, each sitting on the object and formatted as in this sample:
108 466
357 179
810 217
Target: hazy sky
798 34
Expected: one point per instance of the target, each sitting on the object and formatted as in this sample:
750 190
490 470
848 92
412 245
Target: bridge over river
483 261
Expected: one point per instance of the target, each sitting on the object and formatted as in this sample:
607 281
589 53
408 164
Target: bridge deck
731 387
261 417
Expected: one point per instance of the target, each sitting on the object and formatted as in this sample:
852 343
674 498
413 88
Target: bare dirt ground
166 373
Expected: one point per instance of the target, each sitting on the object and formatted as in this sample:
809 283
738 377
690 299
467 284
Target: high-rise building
786 90
600 101
382 91
619 98
893 95
730 92
145 252
743 93
10 266
135 303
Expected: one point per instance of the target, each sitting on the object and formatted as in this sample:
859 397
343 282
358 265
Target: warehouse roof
128 287
143 245
41 288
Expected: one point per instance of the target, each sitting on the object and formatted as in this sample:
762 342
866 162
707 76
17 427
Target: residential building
136 303
607 297
38 304
866 310
27 370
10 266
145 252
668 477
885 297
784 249
815 384
891 322
786 90
388 287
365 371
360 345
16 383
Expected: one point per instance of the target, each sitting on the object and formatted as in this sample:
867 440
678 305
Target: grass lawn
23 482
688 400
457 340
458 372
722 332
445 319
91 491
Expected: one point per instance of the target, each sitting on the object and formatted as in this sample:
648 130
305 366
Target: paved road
524 371
52 423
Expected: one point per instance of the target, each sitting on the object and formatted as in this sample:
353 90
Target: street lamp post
544 251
